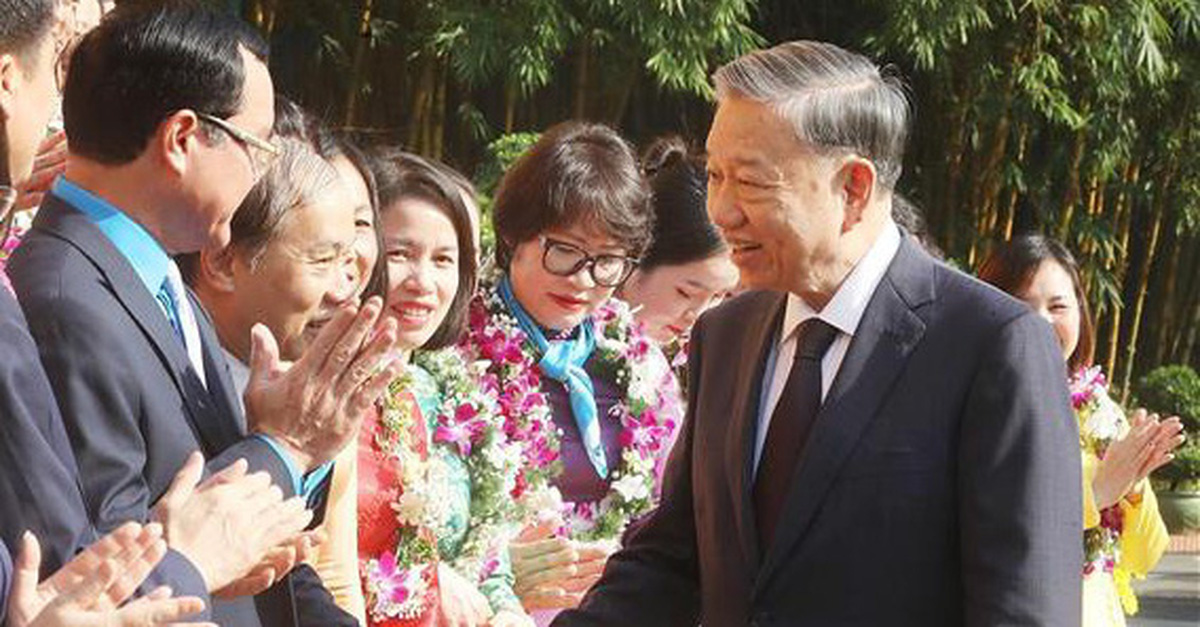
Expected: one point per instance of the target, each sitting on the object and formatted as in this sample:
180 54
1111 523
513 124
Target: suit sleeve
100 407
1019 482
315 606
6 569
654 579
39 489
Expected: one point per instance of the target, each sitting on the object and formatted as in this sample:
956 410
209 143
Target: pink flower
465 412
1086 385
457 434
606 314
391 580
489 567
638 348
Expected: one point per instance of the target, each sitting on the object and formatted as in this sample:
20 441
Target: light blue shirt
135 243
150 262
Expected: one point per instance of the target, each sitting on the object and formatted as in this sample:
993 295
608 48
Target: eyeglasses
265 152
564 259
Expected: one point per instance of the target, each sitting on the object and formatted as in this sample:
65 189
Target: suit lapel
216 374
747 394
886 335
60 219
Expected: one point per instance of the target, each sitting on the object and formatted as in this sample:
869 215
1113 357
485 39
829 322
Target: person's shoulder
46 266
965 300
735 310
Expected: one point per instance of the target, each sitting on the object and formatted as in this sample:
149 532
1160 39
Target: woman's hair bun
663 153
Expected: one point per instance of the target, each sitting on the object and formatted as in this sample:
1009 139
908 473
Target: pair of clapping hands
1131 458
553 572
234 527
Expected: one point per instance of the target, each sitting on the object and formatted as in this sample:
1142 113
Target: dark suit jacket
6 569
133 405
940 486
39 488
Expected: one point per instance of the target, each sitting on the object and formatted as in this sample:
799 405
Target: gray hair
833 99
297 177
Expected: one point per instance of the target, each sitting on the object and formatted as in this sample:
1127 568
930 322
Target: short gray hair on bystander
297 178
833 98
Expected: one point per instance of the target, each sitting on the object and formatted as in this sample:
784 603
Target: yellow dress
337 559
1113 557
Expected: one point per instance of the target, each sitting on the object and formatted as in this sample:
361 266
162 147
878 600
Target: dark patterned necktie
791 423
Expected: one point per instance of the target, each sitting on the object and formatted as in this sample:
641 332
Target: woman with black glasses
588 399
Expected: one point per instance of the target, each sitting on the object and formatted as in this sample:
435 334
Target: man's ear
216 268
10 77
856 179
177 137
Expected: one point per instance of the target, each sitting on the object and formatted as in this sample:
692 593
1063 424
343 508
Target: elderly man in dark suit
167 109
877 440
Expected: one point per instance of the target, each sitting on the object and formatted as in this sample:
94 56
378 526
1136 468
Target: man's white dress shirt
843 312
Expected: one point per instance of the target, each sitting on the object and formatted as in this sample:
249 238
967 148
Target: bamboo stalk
1071 194
1135 320
1123 212
361 43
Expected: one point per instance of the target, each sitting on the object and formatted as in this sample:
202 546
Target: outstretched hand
313 407
89 589
553 572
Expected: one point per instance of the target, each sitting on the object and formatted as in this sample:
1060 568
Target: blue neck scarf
563 360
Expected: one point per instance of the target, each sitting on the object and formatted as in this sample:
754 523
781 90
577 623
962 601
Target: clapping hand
50 162
278 562
1132 457
229 525
88 590
462 605
313 408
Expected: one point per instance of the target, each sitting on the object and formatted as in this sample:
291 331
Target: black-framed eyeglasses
265 152
565 259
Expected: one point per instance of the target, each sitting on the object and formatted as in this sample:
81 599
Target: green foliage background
1079 118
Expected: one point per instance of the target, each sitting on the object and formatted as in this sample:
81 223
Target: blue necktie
166 298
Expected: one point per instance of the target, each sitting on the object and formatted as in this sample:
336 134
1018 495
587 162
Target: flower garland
650 411
397 582
468 424
676 352
1100 422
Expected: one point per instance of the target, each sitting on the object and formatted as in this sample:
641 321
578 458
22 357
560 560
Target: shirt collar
849 302
148 258
238 371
